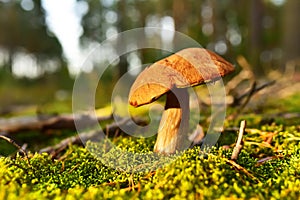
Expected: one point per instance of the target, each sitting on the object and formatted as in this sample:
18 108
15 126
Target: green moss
193 174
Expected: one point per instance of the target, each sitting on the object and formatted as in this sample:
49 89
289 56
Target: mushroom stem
174 125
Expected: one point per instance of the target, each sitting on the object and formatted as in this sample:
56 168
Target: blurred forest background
34 68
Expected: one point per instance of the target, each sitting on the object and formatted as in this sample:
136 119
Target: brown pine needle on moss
240 168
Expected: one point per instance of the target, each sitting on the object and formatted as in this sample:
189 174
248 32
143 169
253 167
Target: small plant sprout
173 76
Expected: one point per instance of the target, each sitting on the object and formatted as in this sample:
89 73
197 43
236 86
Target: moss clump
267 172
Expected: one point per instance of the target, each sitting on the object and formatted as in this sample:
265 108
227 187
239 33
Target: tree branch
37 123
254 89
80 138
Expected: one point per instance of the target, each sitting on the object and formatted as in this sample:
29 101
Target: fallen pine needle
240 168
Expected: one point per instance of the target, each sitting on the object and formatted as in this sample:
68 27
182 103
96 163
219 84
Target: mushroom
172 76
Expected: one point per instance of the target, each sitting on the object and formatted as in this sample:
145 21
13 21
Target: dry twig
11 141
239 144
253 89
237 100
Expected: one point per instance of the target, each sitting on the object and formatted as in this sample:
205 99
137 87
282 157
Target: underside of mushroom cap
186 68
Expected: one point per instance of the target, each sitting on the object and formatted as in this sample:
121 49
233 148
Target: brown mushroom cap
186 68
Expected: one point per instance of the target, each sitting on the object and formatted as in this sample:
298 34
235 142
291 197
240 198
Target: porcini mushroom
172 76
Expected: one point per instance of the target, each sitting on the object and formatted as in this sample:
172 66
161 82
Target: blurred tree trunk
143 11
9 63
256 32
26 32
180 14
291 40
122 26
180 10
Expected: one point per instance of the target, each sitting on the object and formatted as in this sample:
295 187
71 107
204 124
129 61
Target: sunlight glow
22 59
63 19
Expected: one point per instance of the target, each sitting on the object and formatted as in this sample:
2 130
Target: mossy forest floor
268 166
